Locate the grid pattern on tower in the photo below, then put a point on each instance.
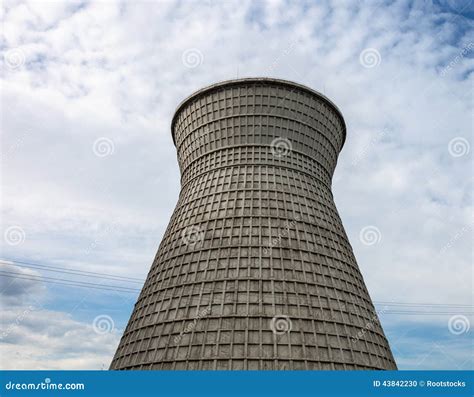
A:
(256, 114)
(254, 155)
(271, 244)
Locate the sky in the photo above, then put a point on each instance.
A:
(89, 174)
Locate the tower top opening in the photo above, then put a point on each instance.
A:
(256, 80)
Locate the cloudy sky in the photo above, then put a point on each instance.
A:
(90, 178)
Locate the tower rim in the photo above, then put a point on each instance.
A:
(270, 80)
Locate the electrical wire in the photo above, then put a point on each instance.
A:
(74, 283)
(67, 270)
(395, 307)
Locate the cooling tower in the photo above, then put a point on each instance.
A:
(255, 270)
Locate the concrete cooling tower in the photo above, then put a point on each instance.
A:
(255, 270)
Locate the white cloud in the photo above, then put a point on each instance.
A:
(115, 70)
(17, 288)
(44, 339)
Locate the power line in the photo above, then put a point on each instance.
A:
(396, 305)
(68, 284)
(55, 280)
(422, 313)
(423, 304)
(69, 271)
(132, 290)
